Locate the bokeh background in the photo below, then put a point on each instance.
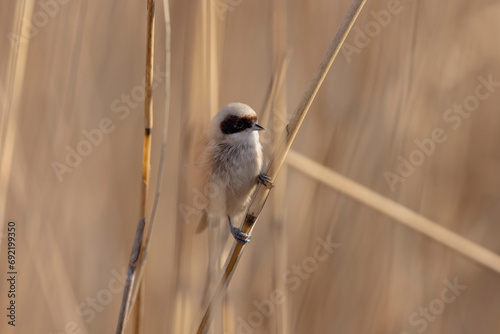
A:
(405, 64)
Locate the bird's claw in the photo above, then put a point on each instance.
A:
(265, 180)
(238, 234)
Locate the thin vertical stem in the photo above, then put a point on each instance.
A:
(129, 282)
(278, 107)
(11, 102)
(146, 156)
(131, 293)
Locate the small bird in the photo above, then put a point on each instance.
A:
(231, 164)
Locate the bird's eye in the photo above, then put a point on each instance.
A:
(239, 124)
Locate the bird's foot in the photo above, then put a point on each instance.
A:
(238, 234)
(265, 180)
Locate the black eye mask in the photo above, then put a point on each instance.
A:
(234, 124)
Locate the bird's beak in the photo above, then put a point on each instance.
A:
(256, 127)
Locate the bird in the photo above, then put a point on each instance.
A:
(230, 165)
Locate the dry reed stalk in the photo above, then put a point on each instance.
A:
(146, 157)
(10, 106)
(395, 210)
(146, 245)
(276, 84)
(262, 192)
(211, 69)
(166, 113)
(131, 296)
(277, 226)
(194, 98)
(131, 275)
(138, 289)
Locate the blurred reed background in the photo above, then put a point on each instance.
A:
(81, 68)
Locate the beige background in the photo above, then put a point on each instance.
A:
(74, 235)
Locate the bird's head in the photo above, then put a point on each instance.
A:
(236, 122)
